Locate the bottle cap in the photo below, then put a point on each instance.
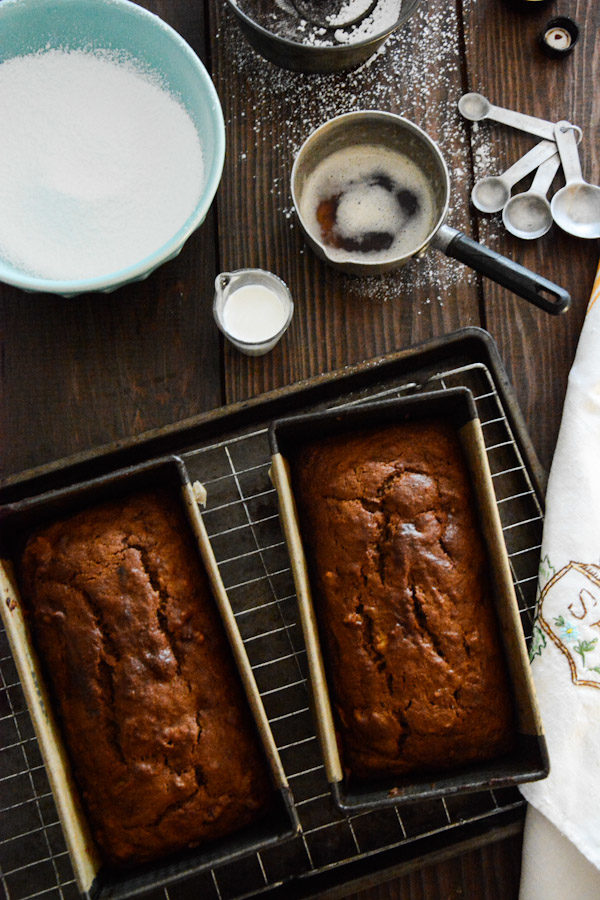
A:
(558, 37)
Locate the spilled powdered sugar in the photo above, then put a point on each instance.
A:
(414, 73)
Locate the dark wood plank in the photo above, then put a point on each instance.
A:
(491, 872)
(269, 112)
(77, 373)
(505, 63)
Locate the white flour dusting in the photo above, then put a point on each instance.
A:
(99, 165)
(348, 11)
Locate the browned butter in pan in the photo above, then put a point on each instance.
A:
(369, 200)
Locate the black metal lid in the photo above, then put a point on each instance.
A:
(558, 37)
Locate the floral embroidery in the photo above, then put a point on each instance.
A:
(538, 642)
(568, 631)
(569, 614)
(538, 636)
(546, 571)
(583, 647)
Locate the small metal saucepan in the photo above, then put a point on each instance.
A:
(393, 135)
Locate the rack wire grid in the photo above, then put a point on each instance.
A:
(243, 524)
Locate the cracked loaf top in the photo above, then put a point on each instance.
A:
(403, 599)
(151, 707)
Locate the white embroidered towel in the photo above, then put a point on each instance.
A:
(565, 649)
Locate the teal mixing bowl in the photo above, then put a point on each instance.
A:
(123, 27)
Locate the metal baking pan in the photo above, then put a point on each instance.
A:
(529, 760)
(94, 879)
(228, 450)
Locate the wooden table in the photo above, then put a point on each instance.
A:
(82, 373)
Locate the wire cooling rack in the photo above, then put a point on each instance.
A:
(243, 524)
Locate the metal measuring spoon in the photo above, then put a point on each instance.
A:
(334, 13)
(476, 107)
(576, 206)
(490, 194)
(528, 215)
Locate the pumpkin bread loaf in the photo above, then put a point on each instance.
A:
(154, 717)
(402, 594)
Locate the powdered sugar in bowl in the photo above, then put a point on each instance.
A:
(111, 148)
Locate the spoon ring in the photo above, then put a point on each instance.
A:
(569, 127)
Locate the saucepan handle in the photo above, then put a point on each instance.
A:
(534, 288)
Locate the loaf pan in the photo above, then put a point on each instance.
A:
(529, 760)
(95, 880)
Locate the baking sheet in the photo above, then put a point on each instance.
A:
(229, 452)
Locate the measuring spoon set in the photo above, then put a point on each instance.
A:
(575, 207)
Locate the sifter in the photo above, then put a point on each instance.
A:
(334, 13)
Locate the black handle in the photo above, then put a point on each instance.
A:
(535, 288)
